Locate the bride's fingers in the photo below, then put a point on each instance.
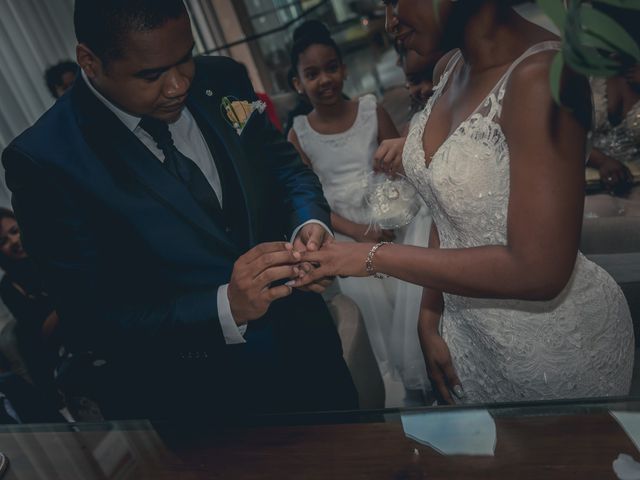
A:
(309, 278)
(453, 381)
(316, 257)
(438, 378)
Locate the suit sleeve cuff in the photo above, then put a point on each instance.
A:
(300, 227)
(233, 334)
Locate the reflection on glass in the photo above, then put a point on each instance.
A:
(465, 432)
(125, 450)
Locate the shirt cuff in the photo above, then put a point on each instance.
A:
(297, 230)
(233, 333)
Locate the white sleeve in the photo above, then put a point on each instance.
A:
(233, 333)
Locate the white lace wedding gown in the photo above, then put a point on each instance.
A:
(580, 344)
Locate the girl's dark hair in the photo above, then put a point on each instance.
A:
(311, 32)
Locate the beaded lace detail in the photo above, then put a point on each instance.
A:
(578, 345)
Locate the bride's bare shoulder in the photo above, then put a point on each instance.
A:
(531, 82)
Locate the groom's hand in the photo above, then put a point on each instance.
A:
(312, 237)
(250, 289)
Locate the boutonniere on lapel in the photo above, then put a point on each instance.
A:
(237, 112)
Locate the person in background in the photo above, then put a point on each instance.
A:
(418, 72)
(22, 402)
(338, 139)
(60, 77)
(37, 322)
(303, 106)
(616, 135)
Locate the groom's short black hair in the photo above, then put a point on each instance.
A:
(102, 25)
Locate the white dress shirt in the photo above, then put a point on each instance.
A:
(188, 139)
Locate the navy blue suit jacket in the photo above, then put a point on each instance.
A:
(129, 256)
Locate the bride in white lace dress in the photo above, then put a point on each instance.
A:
(511, 310)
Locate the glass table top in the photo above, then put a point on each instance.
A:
(567, 439)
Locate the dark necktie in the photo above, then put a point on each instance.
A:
(181, 166)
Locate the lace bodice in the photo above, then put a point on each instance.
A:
(577, 345)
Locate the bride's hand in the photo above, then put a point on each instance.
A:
(346, 259)
(440, 368)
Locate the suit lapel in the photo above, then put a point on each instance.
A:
(208, 108)
(113, 142)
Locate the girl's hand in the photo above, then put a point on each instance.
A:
(440, 367)
(366, 234)
(346, 259)
(388, 157)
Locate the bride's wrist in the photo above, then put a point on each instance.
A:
(372, 264)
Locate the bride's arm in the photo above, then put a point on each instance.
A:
(432, 302)
(437, 357)
(547, 151)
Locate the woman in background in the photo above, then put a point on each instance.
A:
(36, 319)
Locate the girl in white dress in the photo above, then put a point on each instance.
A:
(338, 140)
(511, 310)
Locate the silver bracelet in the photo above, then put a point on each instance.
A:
(369, 262)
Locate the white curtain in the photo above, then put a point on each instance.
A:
(34, 34)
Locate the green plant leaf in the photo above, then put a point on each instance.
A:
(628, 4)
(608, 30)
(555, 10)
(555, 76)
(589, 40)
(575, 59)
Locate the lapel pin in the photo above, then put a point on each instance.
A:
(209, 93)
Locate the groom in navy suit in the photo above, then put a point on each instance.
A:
(158, 202)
